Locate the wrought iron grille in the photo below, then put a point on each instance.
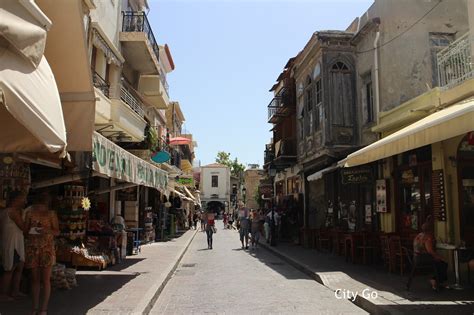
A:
(138, 22)
(454, 62)
(100, 83)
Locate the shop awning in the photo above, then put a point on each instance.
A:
(111, 160)
(447, 123)
(31, 116)
(319, 174)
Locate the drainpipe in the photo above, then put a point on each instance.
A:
(376, 75)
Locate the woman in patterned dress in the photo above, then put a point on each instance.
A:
(41, 226)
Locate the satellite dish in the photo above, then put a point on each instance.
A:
(160, 157)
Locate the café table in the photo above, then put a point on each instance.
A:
(455, 250)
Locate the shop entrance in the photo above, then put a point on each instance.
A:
(414, 197)
(466, 189)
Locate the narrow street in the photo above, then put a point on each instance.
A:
(230, 280)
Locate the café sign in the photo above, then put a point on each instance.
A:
(356, 175)
(111, 160)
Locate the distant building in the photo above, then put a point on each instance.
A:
(252, 179)
(215, 187)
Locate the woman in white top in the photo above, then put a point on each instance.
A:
(13, 244)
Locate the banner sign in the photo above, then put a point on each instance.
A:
(356, 175)
(188, 182)
(111, 160)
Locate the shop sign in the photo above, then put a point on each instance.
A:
(111, 160)
(356, 176)
(381, 195)
(439, 197)
(188, 182)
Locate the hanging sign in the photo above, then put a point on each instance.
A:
(356, 175)
(111, 160)
(381, 195)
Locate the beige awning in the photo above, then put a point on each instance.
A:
(319, 174)
(444, 124)
(31, 116)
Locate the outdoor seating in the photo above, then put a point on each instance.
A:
(385, 251)
(399, 255)
(337, 238)
(367, 246)
(324, 239)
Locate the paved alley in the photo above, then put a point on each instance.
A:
(230, 280)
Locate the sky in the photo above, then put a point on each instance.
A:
(228, 54)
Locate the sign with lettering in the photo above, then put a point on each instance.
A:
(188, 182)
(439, 196)
(356, 175)
(111, 160)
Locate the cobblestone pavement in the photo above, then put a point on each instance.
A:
(229, 280)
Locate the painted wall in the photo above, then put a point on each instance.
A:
(108, 14)
(406, 63)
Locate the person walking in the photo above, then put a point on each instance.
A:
(244, 228)
(41, 226)
(195, 219)
(224, 220)
(231, 221)
(203, 221)
(13, 245)
(255, 227)
(210, 229)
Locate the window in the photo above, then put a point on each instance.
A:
(341, 95)
(367, 98)
(215, 181)
(308, 100)
(319, 101)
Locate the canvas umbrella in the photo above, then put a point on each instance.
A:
(179, 141)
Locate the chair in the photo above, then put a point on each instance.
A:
(385, 248)
(398, 254)
(368, 245)
(324, 240)
(337, 242)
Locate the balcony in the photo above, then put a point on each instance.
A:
(155, 90)
(130, 97)
(285, 153)
(139, 45)
(269, 154)
(280, 106)
(454, 63)
(100, 83)
(121, 119)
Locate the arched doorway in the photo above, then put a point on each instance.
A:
(215, 207)
(465, 166)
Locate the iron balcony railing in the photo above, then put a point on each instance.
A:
(100, 83)
(280, 100)
(269, 154)
(454, 62)
(128, 97)
(138, 22)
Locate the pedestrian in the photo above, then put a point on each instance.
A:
(210, 229)
(41, 226)
(244, 228)
(255, 228)
(195, 219)
(224, 219)
(13, 245)
(231, 221)
(267, 226)
(203, 221)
